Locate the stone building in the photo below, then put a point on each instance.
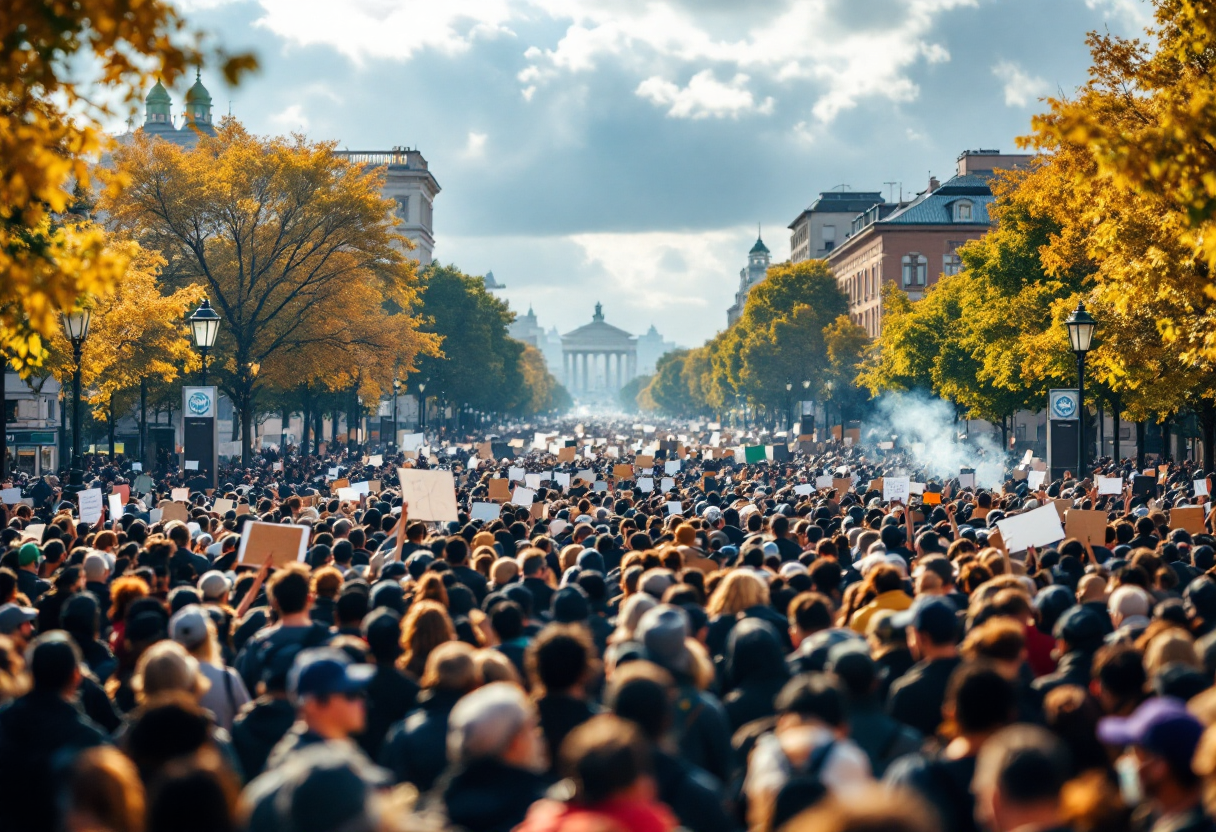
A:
(598, 358)
(826, 221)
(412, 187)
(758, 261)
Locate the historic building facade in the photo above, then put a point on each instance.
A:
(598, 358)
(758, 261)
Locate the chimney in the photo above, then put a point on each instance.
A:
(933, 183)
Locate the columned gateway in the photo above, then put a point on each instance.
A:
(598, 359)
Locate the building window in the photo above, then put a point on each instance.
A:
(914, 268)
(403, 208)
(951, 264)
(962, 211)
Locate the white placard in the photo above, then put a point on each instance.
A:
(587, 476)
(376, 460)
(599, 486)
(562, 480)
(33, 532)
(896, 489)
(556, 527)
(916, 488)
(966, 481)
(412, 441)
(824, 481)
(674, 507)
(364, 487)
(515, 474)
(89, 501)
(671, 466)
(806, 488)
(331, 474)
(223, 506)
(351, 495)
(115, 503)
(1034, 479)
(10, 496)
(137, 466)
(532, 481)
(1106, 485)
(154, 515)
(484, 511)
(667, 484)
(191, 465)
(431, 494)
(523, 496)
(1201, 488)
(278, 466)
(646, 484)
(180, 495)
(1040, 527)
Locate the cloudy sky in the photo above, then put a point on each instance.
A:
(625, 151)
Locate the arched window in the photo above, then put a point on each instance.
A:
(915, 266)
(962, 211)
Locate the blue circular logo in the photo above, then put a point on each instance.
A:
(1065, 406)
(199, 403)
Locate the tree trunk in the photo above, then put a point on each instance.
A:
(1165, 440)
(333, 430)
(1005, 433)
(247, 428)
(286, 415)
(352, 420)
(1101, 428)
(110, 425)
(1114, 437)
(305, 420)
(143, 422)
(1140, 434)
(1207, 429)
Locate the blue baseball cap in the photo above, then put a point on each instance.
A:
(929, 614)
(324, 671)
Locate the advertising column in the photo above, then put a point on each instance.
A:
(200, 439)
(1063, 411)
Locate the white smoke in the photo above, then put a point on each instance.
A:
(929, 437)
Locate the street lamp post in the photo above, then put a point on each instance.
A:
(422, 406)
(806, 392)
(392, 440)
(789, 385)
(1081, 326)
(827, 420)
(76, 325)
(204, 327)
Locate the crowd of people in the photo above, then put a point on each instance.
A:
(707, 643)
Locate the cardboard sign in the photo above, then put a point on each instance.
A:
(90, 503)
(523, 496)
(622, 472)
(243, 508)
(1062, 506)
(876, 485)
(180, 495)
(260, 541)
(431, 494)
(841, 484)
(1040, 527)
(996, 541)
(1086, 525)
(1109, 485)
(1189, 518)
(485, 511)
(642, 462)
(500, 489)
(567, 454)
(339, 484)
(174, 511)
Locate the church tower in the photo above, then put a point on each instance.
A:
(198, 104)
(157, 107)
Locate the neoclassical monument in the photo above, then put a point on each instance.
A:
(598, 357)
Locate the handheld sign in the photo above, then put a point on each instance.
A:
(431, 495)
(90, 505)
(260, 541)
(1039, 527)
(1110, 485)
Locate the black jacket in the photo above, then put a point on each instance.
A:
(883, 738)
(490, 796)
(542, 596)
(559, 715)
(916, 697)
(390, 696)
(693, 795)
(474, 580)
(945, 784)
(257, 729)
(755, 672)
(415, 750)
(40, 736)
(1073, 669)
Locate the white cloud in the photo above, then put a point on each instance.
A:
(291, 118)
(1021, 88)
(475, 148)
(1133, 12)
(398, 29)
(705, 96)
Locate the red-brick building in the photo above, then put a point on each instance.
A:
(914, 243)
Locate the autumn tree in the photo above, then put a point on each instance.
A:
(295, 247)
(59, 61)
(845, 344)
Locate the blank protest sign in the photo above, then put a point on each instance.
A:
(431, 495)
(260, 541)
(1039, 527)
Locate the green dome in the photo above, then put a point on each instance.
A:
(759, 247)
(198, 93)
(158, 94)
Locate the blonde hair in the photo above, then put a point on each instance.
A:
(166, 666)
(740, 589)
(450, 666)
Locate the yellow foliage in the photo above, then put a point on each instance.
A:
(48, 137)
